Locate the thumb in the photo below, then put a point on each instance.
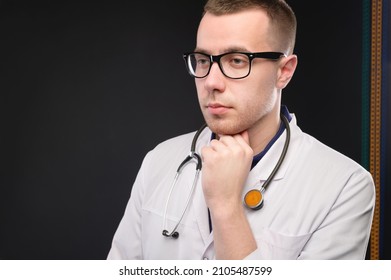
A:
(245, 136)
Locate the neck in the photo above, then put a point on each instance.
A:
(261, 134)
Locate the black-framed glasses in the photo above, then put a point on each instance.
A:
(234, 65)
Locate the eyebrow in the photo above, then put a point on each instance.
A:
(226, 50)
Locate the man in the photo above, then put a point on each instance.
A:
(318, 203)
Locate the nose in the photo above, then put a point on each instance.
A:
(215, 81)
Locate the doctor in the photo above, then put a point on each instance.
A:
(318, 205)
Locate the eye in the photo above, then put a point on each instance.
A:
(202, 61)
(236, 60)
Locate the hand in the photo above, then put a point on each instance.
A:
(226, 165)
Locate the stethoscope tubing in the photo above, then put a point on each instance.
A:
(193, 155)
(257, 203)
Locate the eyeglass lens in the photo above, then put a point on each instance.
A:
(233, 65)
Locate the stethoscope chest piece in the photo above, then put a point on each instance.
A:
(254, 199)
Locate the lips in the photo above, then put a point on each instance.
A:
(217, 108)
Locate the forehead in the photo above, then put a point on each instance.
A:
(248, 30)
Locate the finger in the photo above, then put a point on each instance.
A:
(237, 146)
(241, 140)
(217, 145)
(246, 136)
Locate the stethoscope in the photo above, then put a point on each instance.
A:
(253, 198)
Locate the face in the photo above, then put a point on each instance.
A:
(231, 106)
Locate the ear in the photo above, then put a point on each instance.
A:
(287, 69)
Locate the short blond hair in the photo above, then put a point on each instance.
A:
(279, 12)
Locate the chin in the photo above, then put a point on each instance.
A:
(224, 129)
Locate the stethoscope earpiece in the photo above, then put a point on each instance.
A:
(193, 156)
(174, 235)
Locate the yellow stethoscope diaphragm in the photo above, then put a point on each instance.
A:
(254, 199)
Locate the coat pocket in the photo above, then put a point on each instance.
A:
(276, 246)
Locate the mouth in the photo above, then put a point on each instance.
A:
(217, 108)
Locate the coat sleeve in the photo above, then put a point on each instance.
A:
(127, 243)
(345, 231)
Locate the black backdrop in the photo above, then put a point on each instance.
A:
(88, 89)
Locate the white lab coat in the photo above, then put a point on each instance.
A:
(319, 205)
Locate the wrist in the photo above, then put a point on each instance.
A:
(227, 212)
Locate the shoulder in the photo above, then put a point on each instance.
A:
(322, 172)
(174, 145)
(312, 157)
(308, 149)
(163, 161)
(182, 144)
(326, 155)
(173, 151)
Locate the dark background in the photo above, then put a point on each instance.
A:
(87, 89)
